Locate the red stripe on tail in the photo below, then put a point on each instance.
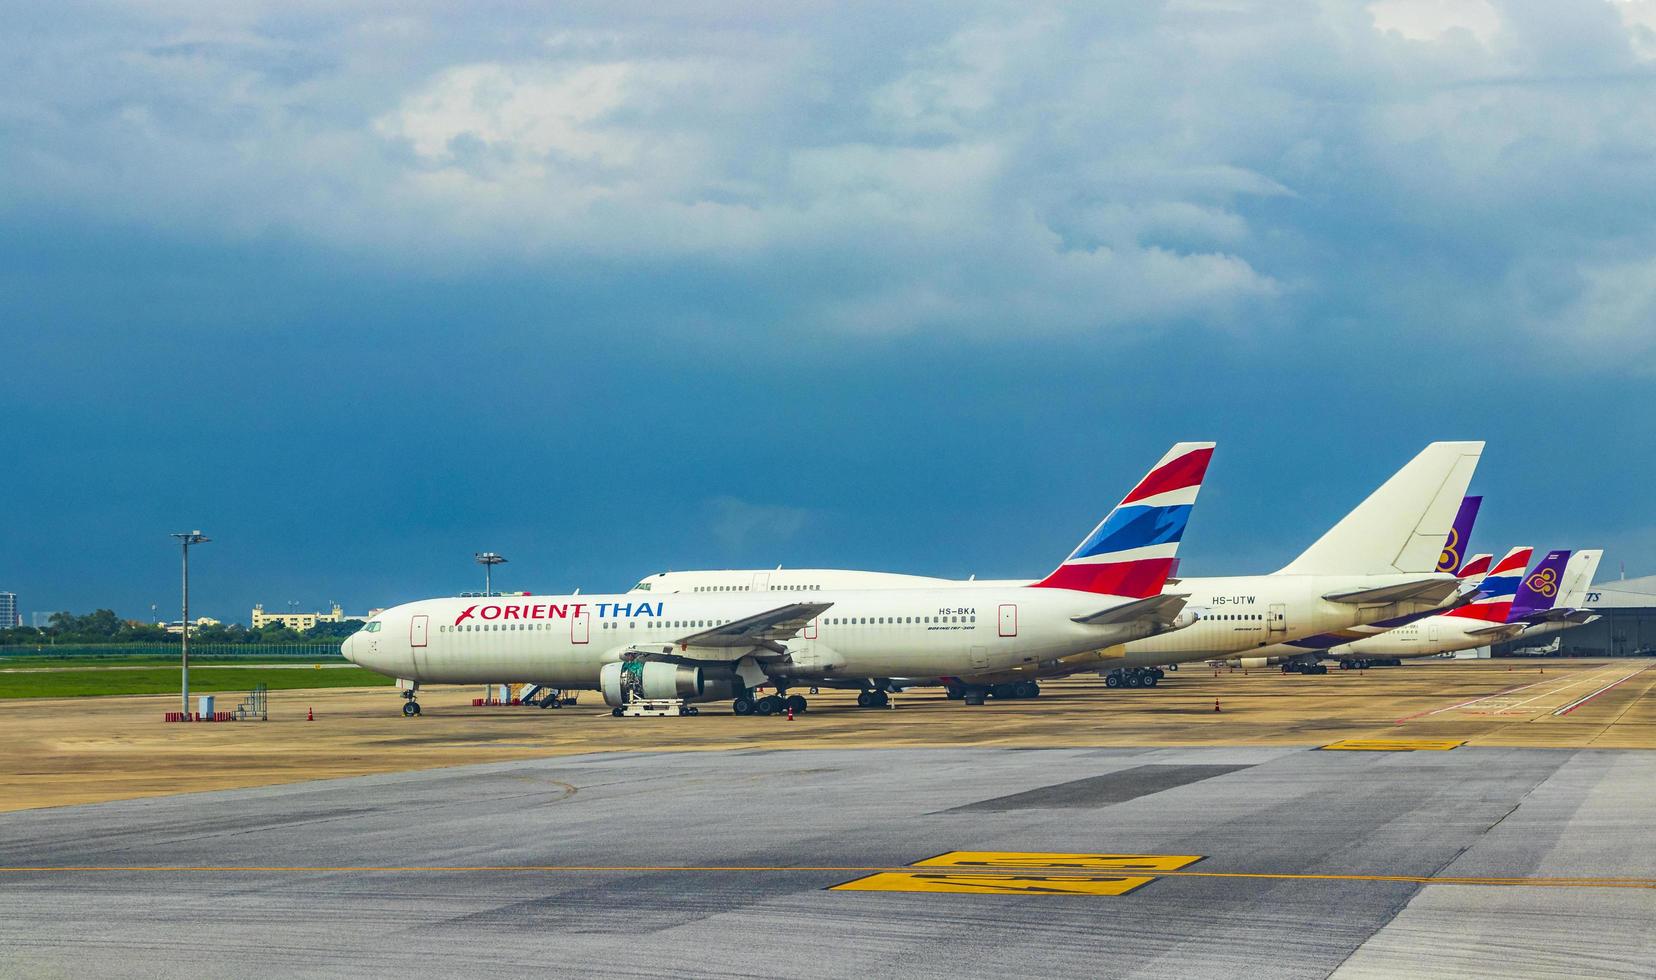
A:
(1186, 471)
(1134, 579)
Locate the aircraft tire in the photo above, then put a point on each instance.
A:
(865, 699)
(615, 712)
(1112, 680)
(1151, 680)
(797, 704)
(742, 706)
(1133, 680)
(411, 708)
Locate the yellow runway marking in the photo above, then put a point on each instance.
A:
(1396, 744)
(995, 884)
(1064, 861)
(1554, 882)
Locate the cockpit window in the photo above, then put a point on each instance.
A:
(641, 587)
(373, 627)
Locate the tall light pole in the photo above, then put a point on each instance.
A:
(185, 539)
(488, 560)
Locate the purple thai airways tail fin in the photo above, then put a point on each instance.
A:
(1541, 586)
(1460, 533)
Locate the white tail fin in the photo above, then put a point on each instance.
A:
(1578, 577)
(1401, 526)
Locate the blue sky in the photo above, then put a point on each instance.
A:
(617, 288)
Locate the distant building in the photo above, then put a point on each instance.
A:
(297, 621)
(8, 611)
(176, 627)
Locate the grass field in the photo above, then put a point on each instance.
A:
(164, 680)
(153, 660)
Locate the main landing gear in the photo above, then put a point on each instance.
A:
(873, 699)
(770, 704)
(411, 707)
(1374, 662)
(1134, 677)
(1014, 691)
(1298, 668)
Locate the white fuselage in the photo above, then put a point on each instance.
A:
(566, 640)
(1422, 638)
(1240, 614)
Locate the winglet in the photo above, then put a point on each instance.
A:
(1132, 551)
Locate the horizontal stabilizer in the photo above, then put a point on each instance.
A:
(1496, 632)
(1434, 589)
(767, 629)
(1163, 610)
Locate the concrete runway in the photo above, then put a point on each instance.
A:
(719, 864)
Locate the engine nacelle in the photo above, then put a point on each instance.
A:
(649, 679)
(1255, 663)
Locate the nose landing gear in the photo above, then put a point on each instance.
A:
(411, 707)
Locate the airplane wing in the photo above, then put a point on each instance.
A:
(1434, 589)
(767, 629)
(1575, 617)
(1163, 610)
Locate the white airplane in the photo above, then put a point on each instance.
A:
(1379, 562)
(706, 646)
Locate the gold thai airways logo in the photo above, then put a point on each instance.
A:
(1544, 582)
(1450, 559)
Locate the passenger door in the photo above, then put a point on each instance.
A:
(580, 628)
(761, 583)
(1009, 619)
(1277, 617)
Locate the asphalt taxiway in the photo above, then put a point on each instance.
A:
(1269, 861)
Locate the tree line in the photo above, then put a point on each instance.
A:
(103, 626)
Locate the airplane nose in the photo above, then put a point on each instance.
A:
(345, 648)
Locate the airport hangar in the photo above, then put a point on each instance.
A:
(1626, 626)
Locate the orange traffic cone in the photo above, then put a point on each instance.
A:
(1215, 704)
(790, 713)
(310, 714)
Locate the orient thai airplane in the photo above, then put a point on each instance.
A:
(704, 646)
(1379, 562)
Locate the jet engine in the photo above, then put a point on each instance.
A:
(651, 680)
(1254, 663)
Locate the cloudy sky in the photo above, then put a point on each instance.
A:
(360, 289)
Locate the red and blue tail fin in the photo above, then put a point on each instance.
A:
(1476, 568)
(1494, 599)
(1132, 551)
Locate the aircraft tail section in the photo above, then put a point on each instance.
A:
(1541, 587)
(1493, 603)
(1460, 532)
(1476, 568)
(1402, 526)
(1578, 576)
(1132, 551)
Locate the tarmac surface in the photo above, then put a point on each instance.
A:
(1263, 860)
(1477, 818)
